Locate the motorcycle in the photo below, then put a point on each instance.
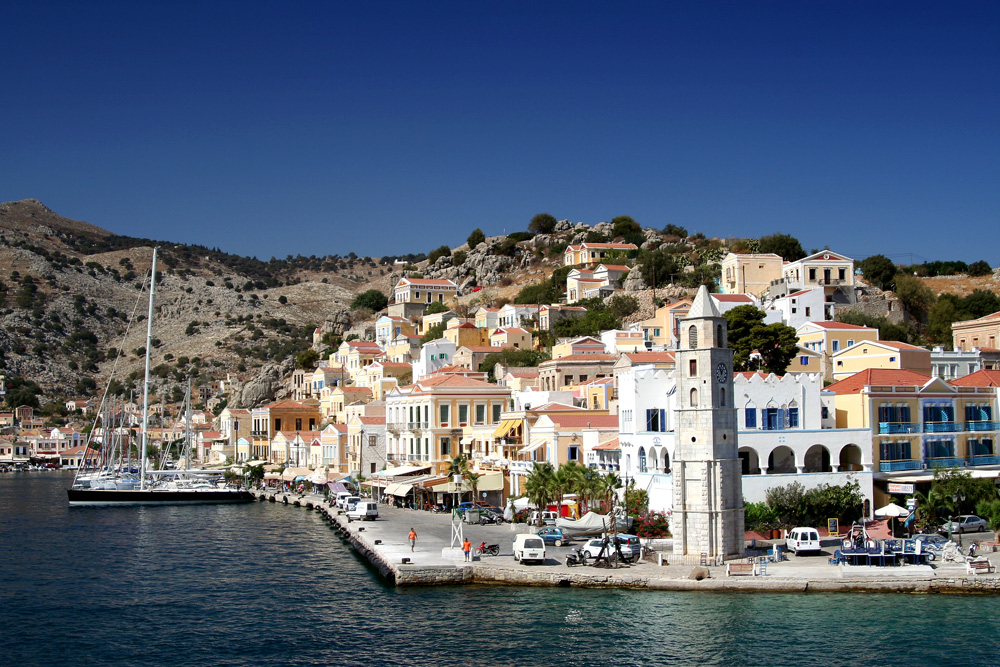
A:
(576, 557)
(488, 550)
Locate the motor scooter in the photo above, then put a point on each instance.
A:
(576, 557)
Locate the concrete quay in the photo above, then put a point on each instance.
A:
(385, 545)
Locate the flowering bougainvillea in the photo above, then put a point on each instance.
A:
(652, 524)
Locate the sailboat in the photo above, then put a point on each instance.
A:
(114, 484)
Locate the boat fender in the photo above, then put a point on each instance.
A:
(870, 544)
(285, 500)
(847, 545)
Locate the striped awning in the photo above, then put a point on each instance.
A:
(506, 426)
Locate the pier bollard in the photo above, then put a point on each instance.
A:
(378, 541)
(406, 561)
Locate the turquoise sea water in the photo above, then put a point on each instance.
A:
(266, 584)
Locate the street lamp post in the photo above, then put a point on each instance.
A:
(955, 498)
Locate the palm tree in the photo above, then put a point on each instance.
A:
(610, 483)
(589, 486)
(538, 486)
(457, 466)
(565, 480)
(474, 483)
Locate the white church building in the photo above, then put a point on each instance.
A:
(785, 433)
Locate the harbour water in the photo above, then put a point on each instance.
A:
(266, 584)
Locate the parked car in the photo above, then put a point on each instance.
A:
(364, 510)
(350, 502)
(529, 547)
(552, 535)
(966, 523)
(931, 544)
(802, 539)
(592, 547)
(548, 518)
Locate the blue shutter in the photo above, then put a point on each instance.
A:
(750, 417)
(663, 420)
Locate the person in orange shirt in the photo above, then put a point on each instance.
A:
(413, 538)
(467, 547)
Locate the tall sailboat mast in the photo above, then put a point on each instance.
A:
(145, 384)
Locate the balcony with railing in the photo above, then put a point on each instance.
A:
(890, 428)
(983, 460)
(941, 427)
(982, 426)
(945, 462)
(904, 464)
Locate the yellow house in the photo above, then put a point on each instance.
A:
(662, 329)
(578, 282)
(388, 327)
(982, 333)
(333, 440)
(592, 253)
(919, 424)
(558, 438)
(750, 273)
(354, 355)
(828, 338)
(806, 361)
(340, 397)
(437, 418)
(423, 290)
(583, 345)
(824, 268)
(880, 354)
(487, 318)
(515, 337)
(428, 322)
(384, 375)
(466, 333)
(269, 419)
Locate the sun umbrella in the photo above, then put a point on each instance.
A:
(891, 510)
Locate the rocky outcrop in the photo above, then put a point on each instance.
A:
(264, 386)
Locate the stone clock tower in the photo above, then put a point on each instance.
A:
(708, 490)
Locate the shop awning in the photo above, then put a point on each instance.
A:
(398, 490)
(535, 444)
(401, 470)
(489, 482)
(467, 441)
(506, 426)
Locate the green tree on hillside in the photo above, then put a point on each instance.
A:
(879, 270)
(776, 343)
(784, 245)
(372, 299)
(659, 267)
(475, 238)
(886, 330)
(542, 223)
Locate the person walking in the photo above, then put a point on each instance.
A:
(413, 538)
(467, 547)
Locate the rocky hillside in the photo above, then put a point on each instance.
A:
(70, 289)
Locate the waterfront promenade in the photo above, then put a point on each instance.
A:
(384, 543)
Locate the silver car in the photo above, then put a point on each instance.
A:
(966, 523)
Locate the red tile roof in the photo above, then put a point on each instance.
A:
(426, 282)
(982, 378)
(610, 445)
(878, 376)
(585, 421)
(650, 357)
(581, 357)
(838, 325)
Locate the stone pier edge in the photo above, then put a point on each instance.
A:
(398, 574)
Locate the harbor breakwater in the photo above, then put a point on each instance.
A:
(400, 568)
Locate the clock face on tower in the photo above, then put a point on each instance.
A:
(721, 373)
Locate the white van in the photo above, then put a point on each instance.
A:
(802, 539)
(340, 497)
(529, 547)
(365, 510)
(548, 518)
(347, 503)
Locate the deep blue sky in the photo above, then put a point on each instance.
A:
(270, 129)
